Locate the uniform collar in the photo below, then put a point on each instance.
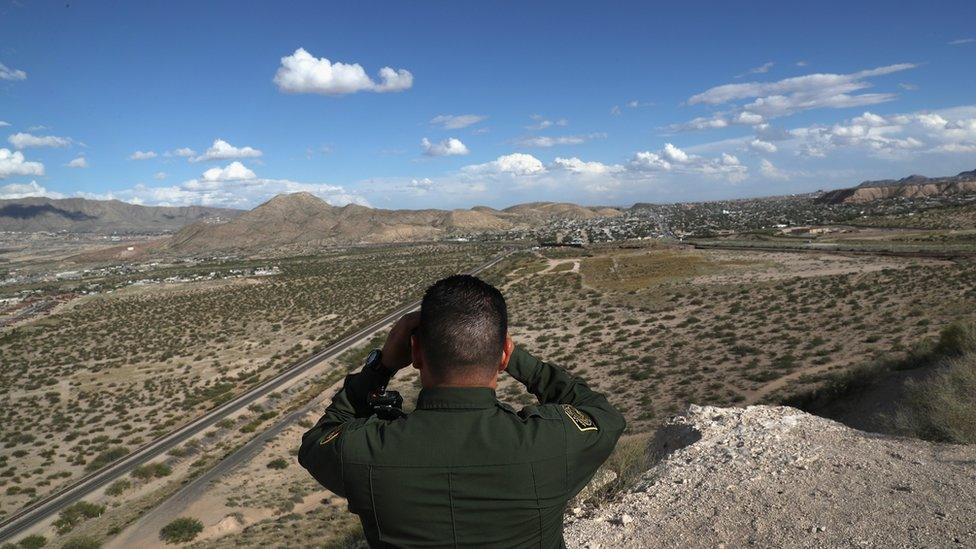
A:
(456, 398)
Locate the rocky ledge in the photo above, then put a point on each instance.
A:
(778, 477)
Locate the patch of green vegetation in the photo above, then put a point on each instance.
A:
(942, 407)
(279, 463)
(82, 542)
(150, 471)
(181, 530)
(118, 487)
(954, 340)
(106, 457)
(75, 514)
(34, 541)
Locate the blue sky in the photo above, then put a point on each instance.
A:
(229, 103)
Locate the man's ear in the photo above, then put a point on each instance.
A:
(507, 351)
(416, 352)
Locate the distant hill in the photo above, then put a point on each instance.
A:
(304, 219)
(82, 215)
(913, 186)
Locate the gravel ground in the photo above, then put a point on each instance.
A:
(778, 477)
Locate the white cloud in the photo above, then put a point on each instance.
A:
(4, 124)
(142, 155)
(902, 136)
(894, 136)
(301, 72)
(542, 123)
(420, 186)
(674, 154)
(575, 165)
(24, 190)
(513, 164)
(222, 150)
(234, 186)
(13, 163)
(183, 152)
(762, 146)
(552, 141)
(702, 123)
(788, 96)
(761, 69)
(8, 73)
(78, 162)
(448, 147)
(457, 121)
(769, 171)
(672, 159)
(748, 118)
(632, 104)
(159, 176)
(962, 41)
(25, 140)
(797, 84)
(235, 171)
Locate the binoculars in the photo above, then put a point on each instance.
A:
(386, 404)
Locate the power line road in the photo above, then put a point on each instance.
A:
(52, 504)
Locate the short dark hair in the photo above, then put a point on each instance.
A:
(463, 324)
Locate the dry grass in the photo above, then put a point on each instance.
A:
(631, 271)
(628, 461)
(942, 407)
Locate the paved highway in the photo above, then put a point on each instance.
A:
(54, 503)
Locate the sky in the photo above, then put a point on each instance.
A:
(457, 104)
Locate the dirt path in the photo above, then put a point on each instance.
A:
(758, 394)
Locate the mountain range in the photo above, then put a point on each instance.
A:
(913, 186)
(81, 215)
(304, 219)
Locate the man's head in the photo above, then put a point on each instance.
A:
(463, 334)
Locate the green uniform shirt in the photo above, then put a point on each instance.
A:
(464, 470)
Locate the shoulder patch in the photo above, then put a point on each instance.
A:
(330, 437)
(582, 421)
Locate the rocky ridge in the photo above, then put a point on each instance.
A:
(913, 186)
(778, 477)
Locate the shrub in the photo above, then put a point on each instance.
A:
(181, 530)
(82, 542)
(106, 457)
(118, 487)
(75, 514)
(629, 461)
(956, 339)
(151, 470)
(32, 542)
(942, 407)
(279, 463)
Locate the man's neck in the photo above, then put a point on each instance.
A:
(462, 384)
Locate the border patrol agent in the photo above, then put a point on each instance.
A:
(463, 469)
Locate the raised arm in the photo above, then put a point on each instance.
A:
(592, 424)
(321, 450)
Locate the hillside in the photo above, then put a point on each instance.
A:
(304, 219)
(777, 477)
(913, 186)
(81, 215)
